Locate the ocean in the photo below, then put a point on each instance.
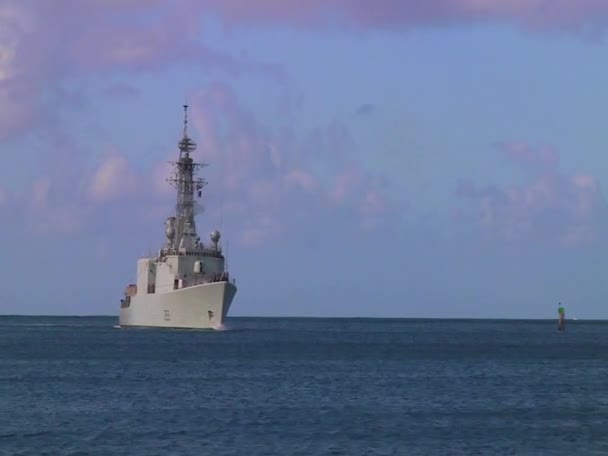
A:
(291, 386)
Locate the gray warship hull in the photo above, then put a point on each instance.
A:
(202, 306)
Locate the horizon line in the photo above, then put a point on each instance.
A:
(324, 317)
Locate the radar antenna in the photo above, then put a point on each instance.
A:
(184, 180)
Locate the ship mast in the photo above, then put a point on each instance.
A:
(186, 184)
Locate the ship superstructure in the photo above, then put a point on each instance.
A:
(187, 284)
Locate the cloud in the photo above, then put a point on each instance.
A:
(277, 184)
(264, 182)
(567, 15)
(12, 23)
(69, 197)
(551, 209)
(43, 211)
(40, 191)
(302, 180)
(44, 44)
(113, 179)
(544, 160)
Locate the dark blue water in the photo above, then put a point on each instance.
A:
(79, 386)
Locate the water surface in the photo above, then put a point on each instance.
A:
(79, 386)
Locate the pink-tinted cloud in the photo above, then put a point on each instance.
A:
(543, 160)
(264, 183)
(68, 197)
(44, 211)
(570, 15)
(113, 179)
(42, 44)
(551, 209)
(276, 180)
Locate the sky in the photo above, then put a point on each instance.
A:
(367, 158)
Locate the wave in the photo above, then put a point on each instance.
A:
(50, 325)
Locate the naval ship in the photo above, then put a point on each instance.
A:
(187, 284)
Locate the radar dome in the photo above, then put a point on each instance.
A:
(170, 227)
(215, 236)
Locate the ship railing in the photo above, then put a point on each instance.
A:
(204, 252)
(213, 278)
